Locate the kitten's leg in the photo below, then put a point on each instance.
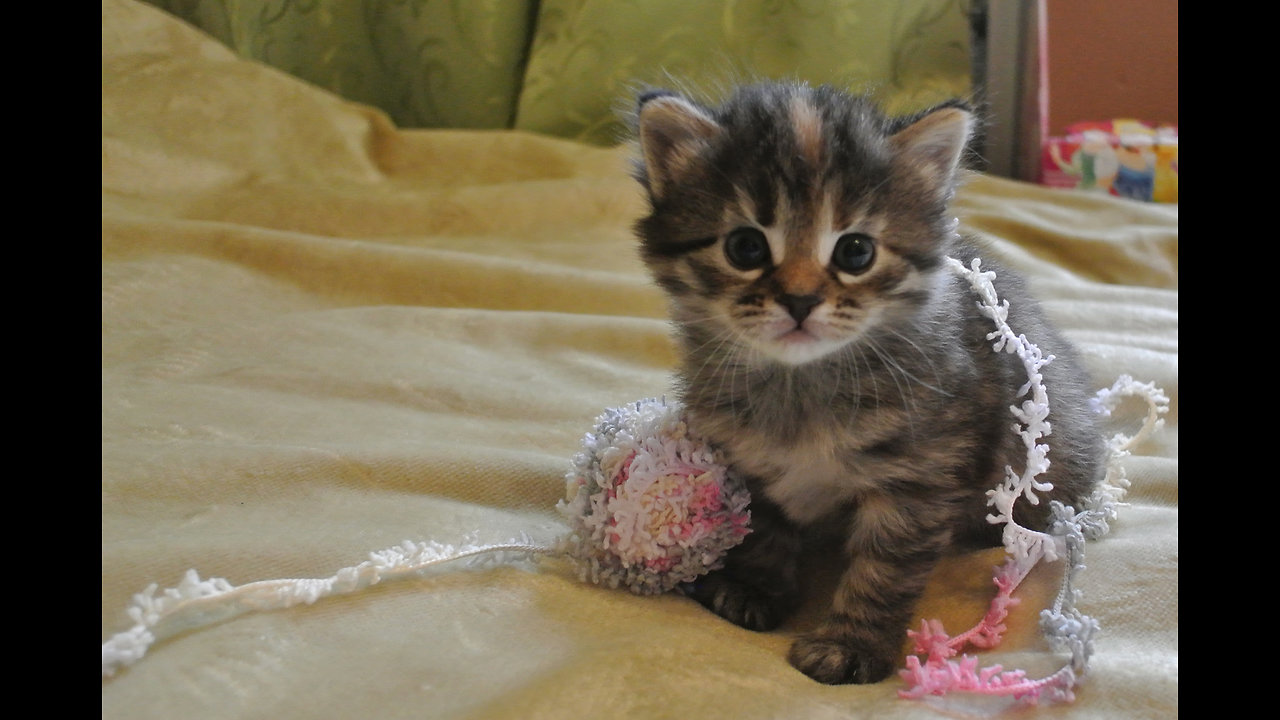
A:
(757, 588)
(894, 547)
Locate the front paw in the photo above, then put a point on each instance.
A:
(740, 603)
(837, 661)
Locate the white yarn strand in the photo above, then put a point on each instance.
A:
(1066, 628)
(1027, 545)
(198, 603)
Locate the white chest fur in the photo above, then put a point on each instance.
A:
(806, 480)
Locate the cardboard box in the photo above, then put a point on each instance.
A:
(1122, 157)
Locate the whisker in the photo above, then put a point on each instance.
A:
(927, 359)
(908, 398)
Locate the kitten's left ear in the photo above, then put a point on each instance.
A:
(931, 147)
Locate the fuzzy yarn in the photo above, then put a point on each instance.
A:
(1067, 630)
(649, 504)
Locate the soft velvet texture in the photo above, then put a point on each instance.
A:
(426, 63)
(560, 66)
(322, 335)
(586, 53)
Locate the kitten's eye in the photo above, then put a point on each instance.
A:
(853, 253)
(747, 248)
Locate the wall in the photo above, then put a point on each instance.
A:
(1112, 58)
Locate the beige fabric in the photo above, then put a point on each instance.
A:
(322, 336)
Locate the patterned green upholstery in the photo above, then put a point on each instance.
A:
(565, 67)
(586, 53)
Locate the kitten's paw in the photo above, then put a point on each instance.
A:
(740, 603)
(834, 661)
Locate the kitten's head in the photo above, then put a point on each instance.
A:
(792, 220)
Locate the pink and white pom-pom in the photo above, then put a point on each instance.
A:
(650, 505)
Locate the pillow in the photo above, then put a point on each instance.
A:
(426, 64)
(587, 56)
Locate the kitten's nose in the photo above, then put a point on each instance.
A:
(799, 306)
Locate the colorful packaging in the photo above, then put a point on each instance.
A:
(1122, 157)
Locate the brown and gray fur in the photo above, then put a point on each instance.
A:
(860, 399)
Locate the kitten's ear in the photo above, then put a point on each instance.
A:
(673, 132)
(931, 147)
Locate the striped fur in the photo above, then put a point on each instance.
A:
(859, 400)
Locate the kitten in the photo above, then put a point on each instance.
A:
(800, 235)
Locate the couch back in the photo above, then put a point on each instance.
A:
(566, 67)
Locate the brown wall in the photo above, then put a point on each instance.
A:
(1110, 59)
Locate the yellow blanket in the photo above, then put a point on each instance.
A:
(322, 336)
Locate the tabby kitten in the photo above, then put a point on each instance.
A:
(800, 235)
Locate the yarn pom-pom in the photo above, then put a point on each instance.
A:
(650, 505)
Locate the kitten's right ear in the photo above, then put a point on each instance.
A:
(673, 132)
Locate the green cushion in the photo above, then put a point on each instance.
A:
(426, 63)
(588, 55)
